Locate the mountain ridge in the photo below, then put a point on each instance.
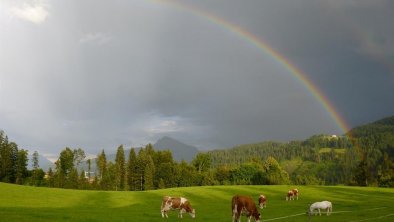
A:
(179, 150)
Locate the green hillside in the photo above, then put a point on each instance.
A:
(24, 203)
(380, 128)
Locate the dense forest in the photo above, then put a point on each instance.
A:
(364, 156)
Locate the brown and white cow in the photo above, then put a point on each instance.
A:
(290, 195)
(295, 192)
(176, 203)
(244, 204)
(262, 201)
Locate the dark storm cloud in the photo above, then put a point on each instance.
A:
(96, 74)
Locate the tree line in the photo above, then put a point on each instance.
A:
(142, 169)
(363, 157)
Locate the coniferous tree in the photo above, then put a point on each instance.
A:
(386, 173)
(35, 172)
(21, 166)
(51, 178)
(59, 178)
(8, 159)
(83, 182)
(64, 165)
(139, 170)
(131, 170)
(89, 162)
(108, 182)
(3, 154)
(66, 161)
(360, 175)
(120, 171)
(72, 180)
(149, 173)
(101, 163)
(164, 165)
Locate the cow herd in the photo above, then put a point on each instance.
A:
(240, 205)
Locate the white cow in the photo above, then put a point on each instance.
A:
(324, 205)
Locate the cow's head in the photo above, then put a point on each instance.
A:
(309, 213)
(168, 204)
(257, 216)
(193, 213)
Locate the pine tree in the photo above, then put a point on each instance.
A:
(89, 161)
(131, 168)
(3, 156)
(139, 170)
(72, 180)
(83, 183)
(50, 178)
(21, 166)
(101, 162)
(8, 160)
(120, 170)
(34, 176)
(102, 167)
(149, 174)
(66, 161)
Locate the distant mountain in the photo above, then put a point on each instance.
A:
(43, 163)
(179, 150)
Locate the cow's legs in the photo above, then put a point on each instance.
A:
(319, 211)
(235, 217)
(181, 211)
(234, 213)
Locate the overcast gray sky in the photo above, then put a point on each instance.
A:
(96, 74)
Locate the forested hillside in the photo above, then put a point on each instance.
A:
(321, 159)
(374, 144)
(364, 157)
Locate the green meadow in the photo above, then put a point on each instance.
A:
(24, 203)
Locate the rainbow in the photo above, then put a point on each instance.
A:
(259, 43)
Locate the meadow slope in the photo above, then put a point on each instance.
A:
(23, 203)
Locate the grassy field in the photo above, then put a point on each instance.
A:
(22, 203)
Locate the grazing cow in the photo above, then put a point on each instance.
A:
(176, 203)
(262, 201)
(290, 195)
(295, 192)
(244, 205)
(320, 205)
